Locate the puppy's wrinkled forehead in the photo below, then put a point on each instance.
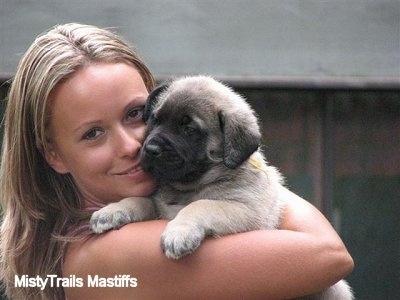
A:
(190, 95)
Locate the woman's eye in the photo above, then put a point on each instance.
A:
(135, 114)
(93, 134)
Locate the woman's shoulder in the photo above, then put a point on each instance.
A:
(118, 258)
(122, 245)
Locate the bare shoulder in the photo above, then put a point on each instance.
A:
(114, 245)
(117, 263)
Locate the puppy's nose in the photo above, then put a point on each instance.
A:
(153, 149)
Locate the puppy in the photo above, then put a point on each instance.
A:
(202, 146)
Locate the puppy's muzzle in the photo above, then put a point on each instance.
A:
(159, 157)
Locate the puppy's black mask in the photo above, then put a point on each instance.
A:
(175, 145)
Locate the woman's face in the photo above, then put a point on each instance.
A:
(96, 131)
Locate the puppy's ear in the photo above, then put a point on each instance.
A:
(152, 100)
(241, 139)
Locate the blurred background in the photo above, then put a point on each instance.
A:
(323, 76)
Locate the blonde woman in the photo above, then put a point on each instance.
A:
(72, 133)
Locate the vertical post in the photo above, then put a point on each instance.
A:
(328, 144)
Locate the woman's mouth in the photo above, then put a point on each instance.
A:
(130, 171)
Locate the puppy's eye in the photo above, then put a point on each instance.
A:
(187, 125)
(185, 120)
(154, 121)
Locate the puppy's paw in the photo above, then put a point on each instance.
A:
(112, 216)
(179, 240)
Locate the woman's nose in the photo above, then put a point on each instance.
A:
(129, 141)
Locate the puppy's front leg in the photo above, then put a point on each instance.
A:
(128, 210)
(204, 218)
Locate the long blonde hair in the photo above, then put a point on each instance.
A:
(37, 203)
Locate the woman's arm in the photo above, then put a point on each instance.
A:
(333, 257)
(304, 257)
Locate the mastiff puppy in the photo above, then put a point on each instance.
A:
(202, 146)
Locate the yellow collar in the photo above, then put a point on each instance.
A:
(256, 163)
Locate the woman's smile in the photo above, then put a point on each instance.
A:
(132, 172)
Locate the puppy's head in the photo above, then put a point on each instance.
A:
(195, 124)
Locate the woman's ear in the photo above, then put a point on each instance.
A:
(54, 160)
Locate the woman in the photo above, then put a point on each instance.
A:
(73, 131)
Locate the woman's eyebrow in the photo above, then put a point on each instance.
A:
(136, 102)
